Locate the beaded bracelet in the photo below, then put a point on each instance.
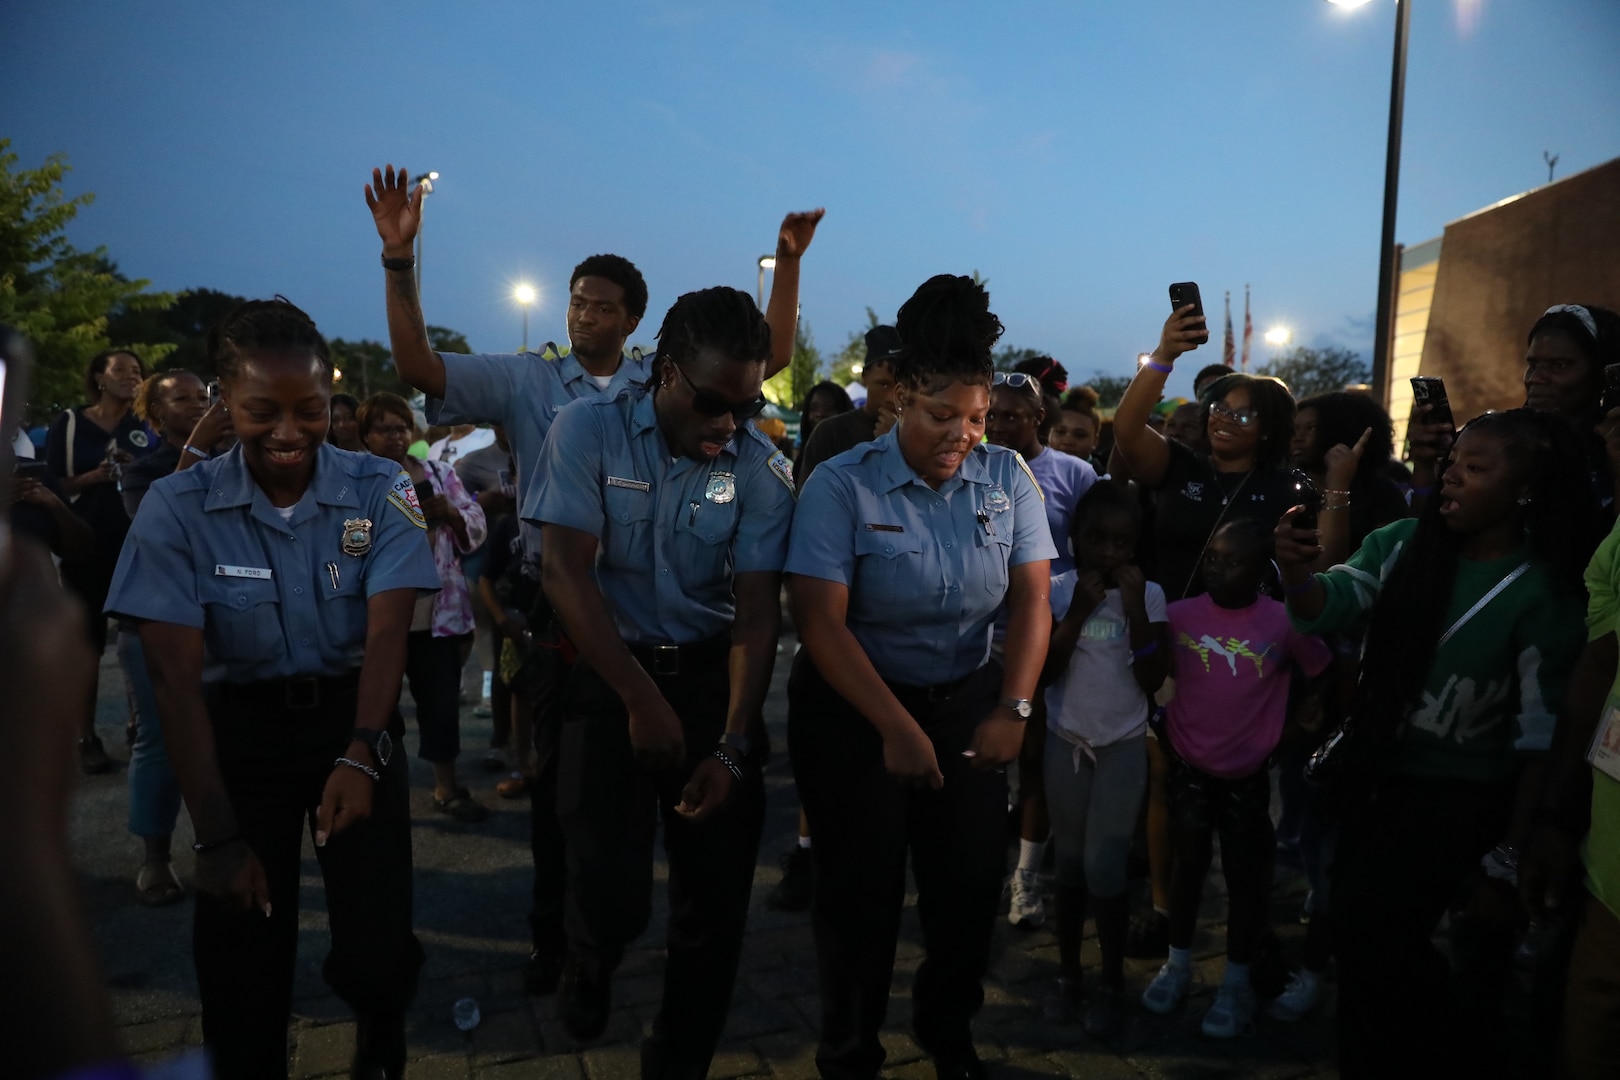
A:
(353, 764)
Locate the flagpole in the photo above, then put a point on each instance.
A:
(1227, 350)
(1248, 328)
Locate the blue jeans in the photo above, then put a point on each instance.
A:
(154, 796)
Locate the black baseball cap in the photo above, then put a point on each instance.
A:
(882, 345)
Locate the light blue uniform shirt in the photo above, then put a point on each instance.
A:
(926, 570)
(669, 537)
(207, 550)
(522, 392)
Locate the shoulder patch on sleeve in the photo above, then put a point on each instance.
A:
(403, 495)
(1022, 464)
(783, 468)
(552, 352)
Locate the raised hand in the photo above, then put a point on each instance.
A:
(798, 229)
(1341, 462)
(1428, 443)
(396, 208)
(1183, 332)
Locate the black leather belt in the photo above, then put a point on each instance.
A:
(670, 660)
(938, 692)
(301, 692)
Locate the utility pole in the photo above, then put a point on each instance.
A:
(1552, 161)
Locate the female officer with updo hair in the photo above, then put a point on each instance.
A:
(274, 586)
(899, 723)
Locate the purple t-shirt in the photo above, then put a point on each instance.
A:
(1063, 479)
(1231, 668)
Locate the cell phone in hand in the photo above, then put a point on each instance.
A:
(29, 469)
(1430, 390)
(1611, 388)
(1183, 293)
(1306, 495)
(213, 392)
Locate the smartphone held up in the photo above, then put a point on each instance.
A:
(1183, 293)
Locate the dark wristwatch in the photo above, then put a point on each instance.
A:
(380, 743)
(1021, 706)
(740, 743)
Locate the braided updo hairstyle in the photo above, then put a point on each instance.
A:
(946, 332)
(275, 325)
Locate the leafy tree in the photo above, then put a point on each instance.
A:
(1010, 356)
(853, 354)
(1110, 388)
(368, 368)
(184, 325)
(1317, 371)
(789, 387)
(443, 339)
(58, 296)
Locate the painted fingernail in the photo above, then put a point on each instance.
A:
(320, 839)
(970, 753)
(267, 909)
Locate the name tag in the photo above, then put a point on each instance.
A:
(873, 527)
(631, 485)
(222, 570)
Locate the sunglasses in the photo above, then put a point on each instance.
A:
(714, 405)
(1240, 417)
(1017, 380)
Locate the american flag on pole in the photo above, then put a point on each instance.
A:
(1227, 350)
(1248, 329)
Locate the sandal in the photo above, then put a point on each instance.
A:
(159, 889)
(515, 786)
(461, 806)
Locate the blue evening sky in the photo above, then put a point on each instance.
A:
(1080, 156)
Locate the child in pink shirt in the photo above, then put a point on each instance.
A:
(1233, 651)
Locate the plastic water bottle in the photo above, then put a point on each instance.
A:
(466, 1014)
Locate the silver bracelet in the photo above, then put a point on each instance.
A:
(725, 759)
(353, 764)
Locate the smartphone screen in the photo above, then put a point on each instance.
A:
(1183, 293)
(1430, 390)
(1306, 495)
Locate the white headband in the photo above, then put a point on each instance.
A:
(1579, 312)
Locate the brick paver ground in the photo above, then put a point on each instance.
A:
(472, 887)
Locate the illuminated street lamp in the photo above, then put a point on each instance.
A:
(766, 262)
(425, 182)
(525, 295)
(1279, 335)
(1392, 179)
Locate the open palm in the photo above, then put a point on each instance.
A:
(396, 207)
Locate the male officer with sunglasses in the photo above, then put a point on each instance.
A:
(665, 519)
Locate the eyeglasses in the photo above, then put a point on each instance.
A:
(389, 431)
(1017, 380)
(714, 405)
(1240, 417)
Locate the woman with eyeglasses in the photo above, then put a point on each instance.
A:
(1248, 424)
(899, 721)
(1017, 413)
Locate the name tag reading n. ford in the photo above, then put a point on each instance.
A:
(628, 485)
(221, 570)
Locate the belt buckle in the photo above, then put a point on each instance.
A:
(666, 659)
(303, 693)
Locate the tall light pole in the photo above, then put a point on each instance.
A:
(766, 262)
(425, 182)
(524, 294)
(1392, 182)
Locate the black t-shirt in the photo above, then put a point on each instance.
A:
(100, 505)
(1190, 502)
(832, 437)
(146, 471)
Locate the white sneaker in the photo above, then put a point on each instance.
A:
(1025, 909)
(1231, 1015)
(1167, 989)
(1303, 993)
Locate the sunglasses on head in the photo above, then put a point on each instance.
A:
(714, 405)
(1017, 380)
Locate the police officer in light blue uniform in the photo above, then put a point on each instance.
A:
(274, 588)
(899, 722)
(665, 517)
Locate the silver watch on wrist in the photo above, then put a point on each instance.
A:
(1019, 705)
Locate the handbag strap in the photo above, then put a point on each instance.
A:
(1226, 506)
(1479, 605)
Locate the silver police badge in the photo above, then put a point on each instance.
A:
(722, 487)
(996, 500)
(356, 536)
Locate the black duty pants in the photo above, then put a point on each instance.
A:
(546, 839)
(275, 762)
(609, 809)
(864, 822)
(1403, 859)
(433, 673)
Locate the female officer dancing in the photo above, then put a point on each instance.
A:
(274, 586)
(899, 725)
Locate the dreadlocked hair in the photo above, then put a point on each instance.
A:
(946, 331)
(274, 325)
(1560, 524)
(722, 318)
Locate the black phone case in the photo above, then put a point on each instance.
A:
(1183, 293)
